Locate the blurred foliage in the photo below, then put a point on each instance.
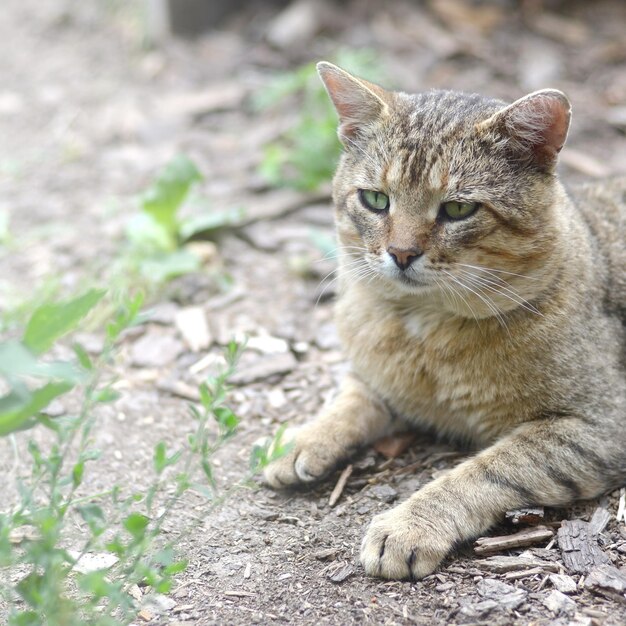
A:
(306, 155)
(158, 234)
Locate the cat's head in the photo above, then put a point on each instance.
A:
(447, 192)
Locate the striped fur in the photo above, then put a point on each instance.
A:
(507, 334)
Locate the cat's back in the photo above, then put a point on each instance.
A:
(603, 207)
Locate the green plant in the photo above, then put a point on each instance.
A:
(52, 587)
(306, 155)
(158, 234)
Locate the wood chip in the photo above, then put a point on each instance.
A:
(339, 487)
(607, 580)
(394, 446)
(327, 554)
(525, 573)
(531, 516)
(341, 574)
(579, 547)
(621, 508)
(503, 564)
(563, 583)
(558, 602)
(599, 520)
(526, 537)
(239, 593)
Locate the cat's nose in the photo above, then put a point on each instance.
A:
(403, 257)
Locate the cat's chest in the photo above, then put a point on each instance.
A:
(428, 366)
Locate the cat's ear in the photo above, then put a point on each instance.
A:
(358, 102)
(536, 125)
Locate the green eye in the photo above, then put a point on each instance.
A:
(374, 200)
(458, 210)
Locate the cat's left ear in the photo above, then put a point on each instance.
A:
(536, 126)
(358, 102)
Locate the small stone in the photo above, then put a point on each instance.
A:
(266, 344)
(478, 609)
(155, 350)
(92, 562)
(558, 602)
(145, 615)
(297, 24)
(193, 327)
(563, 583)
(274, 365)
(276, 398)
(326, 337)
(386, 493)
(159, 603)
(502, 593)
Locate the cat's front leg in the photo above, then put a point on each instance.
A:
(547, 463)
(355, 418)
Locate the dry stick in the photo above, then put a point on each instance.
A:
(339, 487)
(528, 537)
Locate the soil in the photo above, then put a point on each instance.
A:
(88, 114)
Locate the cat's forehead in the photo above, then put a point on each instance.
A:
(438, 113)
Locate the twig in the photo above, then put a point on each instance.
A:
(339, 487)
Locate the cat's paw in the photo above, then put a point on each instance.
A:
(310, 457)
(404, 543)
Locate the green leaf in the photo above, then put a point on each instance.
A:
(94, 517)
(25, 618)
(77, 473)
(205, 396)
(163, 199)
(148, 236)
(105, 395)
(32, 589)
(161, 268)
(83, 357)
(226, 418)
(18, 417)
(17, 361)
(49, 322)
(136, 524)
(209, 222)
(161, 460)
(175, 568)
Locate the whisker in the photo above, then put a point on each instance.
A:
(488, 301)
(500, 289)
(490, 270)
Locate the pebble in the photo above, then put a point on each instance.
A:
(155, 350)
(563, 583)
(558, 602)
(502, 593)
(386, 493)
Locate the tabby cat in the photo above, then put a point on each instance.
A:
(477, 299)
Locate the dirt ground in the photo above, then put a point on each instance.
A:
(88, 114)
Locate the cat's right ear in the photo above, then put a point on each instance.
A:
(358, 102)
(536, 126)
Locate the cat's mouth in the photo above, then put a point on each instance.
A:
(410, 280)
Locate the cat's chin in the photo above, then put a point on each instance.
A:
(406, 285)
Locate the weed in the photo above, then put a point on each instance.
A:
(305, 156)
(158, 234)
(43, 580)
